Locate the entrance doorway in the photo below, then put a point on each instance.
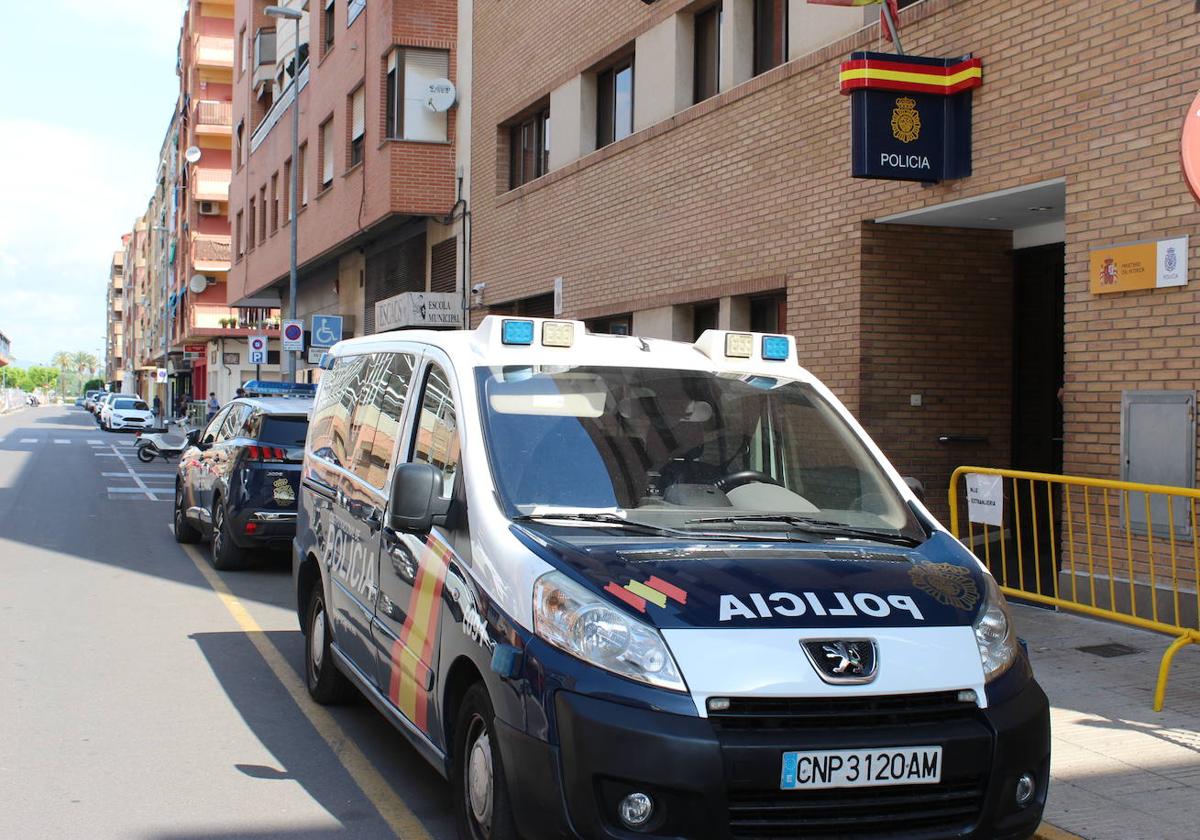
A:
(1037, 411)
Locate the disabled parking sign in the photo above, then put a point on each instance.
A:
(326, 330)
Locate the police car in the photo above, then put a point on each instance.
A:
(622, 587)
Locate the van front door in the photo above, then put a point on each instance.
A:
(412, 567)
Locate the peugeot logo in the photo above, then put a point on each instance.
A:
(843, 661)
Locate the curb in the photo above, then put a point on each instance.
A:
(1046, 831)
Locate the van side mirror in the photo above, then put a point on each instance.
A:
(915, 485)
(416, 502)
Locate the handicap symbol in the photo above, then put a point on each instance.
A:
(325, 335)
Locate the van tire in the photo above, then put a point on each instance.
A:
(185, 532)
(326, 684)
(478, 783)
(226, 556)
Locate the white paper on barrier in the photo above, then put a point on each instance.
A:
(985, 499)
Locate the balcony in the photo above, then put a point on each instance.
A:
(264, 57)
(212, 117)
(210, 253)
(279, 108)
(210, 184)
(199, 322)
(213, 51)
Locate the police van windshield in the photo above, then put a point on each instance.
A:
(675, 448)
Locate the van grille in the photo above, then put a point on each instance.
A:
(880, 812)
(761, 713)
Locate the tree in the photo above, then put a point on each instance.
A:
(84, 363)
(93, 385)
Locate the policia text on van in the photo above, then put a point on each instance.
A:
(615, 587)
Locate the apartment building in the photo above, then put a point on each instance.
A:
(114, 328)
(686, 165)
(5, 349)
(377, 207)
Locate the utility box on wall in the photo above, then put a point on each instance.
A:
(1158, 446)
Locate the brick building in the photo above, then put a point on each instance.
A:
(376, 166)
(114, 328)
(676, 172)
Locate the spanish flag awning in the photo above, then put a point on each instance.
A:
(911, 74)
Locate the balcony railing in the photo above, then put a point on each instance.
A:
(279, 108)
(212, 112)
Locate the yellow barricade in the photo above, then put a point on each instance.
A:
(1113, 549)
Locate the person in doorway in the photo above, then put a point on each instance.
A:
(213, 405)
(156, 407)
(180, 405)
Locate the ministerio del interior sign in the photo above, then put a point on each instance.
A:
(910, 115)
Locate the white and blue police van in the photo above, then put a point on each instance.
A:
(617, 587)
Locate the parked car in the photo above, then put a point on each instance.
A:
(90, 398)
(100, 402)
(126, 411)
(617, 588)
(239, 478)
(79, 402)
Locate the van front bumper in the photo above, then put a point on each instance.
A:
(720, 779)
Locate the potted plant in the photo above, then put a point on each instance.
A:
(224, 322)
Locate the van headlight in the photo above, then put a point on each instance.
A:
(994, 632)
(574, 620)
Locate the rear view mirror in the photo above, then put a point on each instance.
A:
(192, 437)
(416, 501)
(915, 485)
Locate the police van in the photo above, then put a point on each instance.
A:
(622, 587)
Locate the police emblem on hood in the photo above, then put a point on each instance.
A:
(843, 661)
(946, 583)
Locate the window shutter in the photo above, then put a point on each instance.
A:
(420, 68)
(327, 153)
(328, 4)
(358, 110)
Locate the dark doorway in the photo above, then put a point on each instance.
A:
(1037, 413)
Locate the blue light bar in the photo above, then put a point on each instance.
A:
(516, 332)
(775, 348)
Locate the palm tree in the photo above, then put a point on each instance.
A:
(84, 363)
(61, 360)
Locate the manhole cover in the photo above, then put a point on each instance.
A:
(1110, 650)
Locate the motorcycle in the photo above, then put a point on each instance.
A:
(155, 445)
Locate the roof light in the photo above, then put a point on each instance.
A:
(516, 332)
(558, 333)
(776, 348)
(739, 345)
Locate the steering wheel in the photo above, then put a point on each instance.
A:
(737, 479)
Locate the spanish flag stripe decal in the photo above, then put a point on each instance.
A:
(669, 589)
(410, 673)
(651, 595)
(862, 74)
(635, 601)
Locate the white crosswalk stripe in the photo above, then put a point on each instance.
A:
(29, 440)
(61, 440)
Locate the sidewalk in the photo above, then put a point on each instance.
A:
(1119, 771)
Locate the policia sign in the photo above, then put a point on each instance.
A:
(910, 115)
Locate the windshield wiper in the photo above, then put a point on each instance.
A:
(642, 527)
(823, 527)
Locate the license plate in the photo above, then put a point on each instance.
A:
(818, 769)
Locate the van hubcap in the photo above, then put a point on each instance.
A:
(479, 776)
(316, 640)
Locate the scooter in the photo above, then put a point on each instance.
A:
(154, 445)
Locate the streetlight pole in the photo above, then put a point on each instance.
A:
(293, 15)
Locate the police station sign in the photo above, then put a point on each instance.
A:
(910, 115)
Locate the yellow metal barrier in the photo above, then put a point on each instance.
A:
(1131, 536)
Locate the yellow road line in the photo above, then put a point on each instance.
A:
(387, 802)
(1050, 832)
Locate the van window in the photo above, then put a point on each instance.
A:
(667, 445)
(214, 426)
(336, 396)
(232, 426)
(376, 422)
(436, 439)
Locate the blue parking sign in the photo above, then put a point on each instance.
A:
(326, 330)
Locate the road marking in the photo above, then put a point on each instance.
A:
(29, 440)
(149, 491)
(137, 479)
(96, 442)
(61, 440)
(387, 802)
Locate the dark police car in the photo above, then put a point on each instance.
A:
(238, 478)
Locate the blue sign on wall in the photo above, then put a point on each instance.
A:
(910, 115)
(326, 330)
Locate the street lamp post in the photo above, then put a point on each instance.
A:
(293, 15)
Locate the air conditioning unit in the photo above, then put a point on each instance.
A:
(210, 208)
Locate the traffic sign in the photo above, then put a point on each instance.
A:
(160, 375)
(258, 349)
(292, 336)
(326, 330)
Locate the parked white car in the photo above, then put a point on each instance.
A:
(126, 411)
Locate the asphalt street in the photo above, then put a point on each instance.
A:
(146, 695)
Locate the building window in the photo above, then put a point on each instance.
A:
(243, 51)
(239, 136)
(769, 313)
(708, 53)
(353, 10)
(327, 27)
(286, 208)
(250, 226)
(274, 203)
(529, 148)
(301, 175)
(237, 236)
(614, 103)
(262, 208)
(409, 72)
(770, 34)
(358, 105)
(325, 153)
(612, 325)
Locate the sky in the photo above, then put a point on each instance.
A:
(86, 92)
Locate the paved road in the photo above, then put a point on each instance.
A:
(134, 701)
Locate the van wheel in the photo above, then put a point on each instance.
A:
(185, 532)
(326, 684)
(226, 556)
(481, 806)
